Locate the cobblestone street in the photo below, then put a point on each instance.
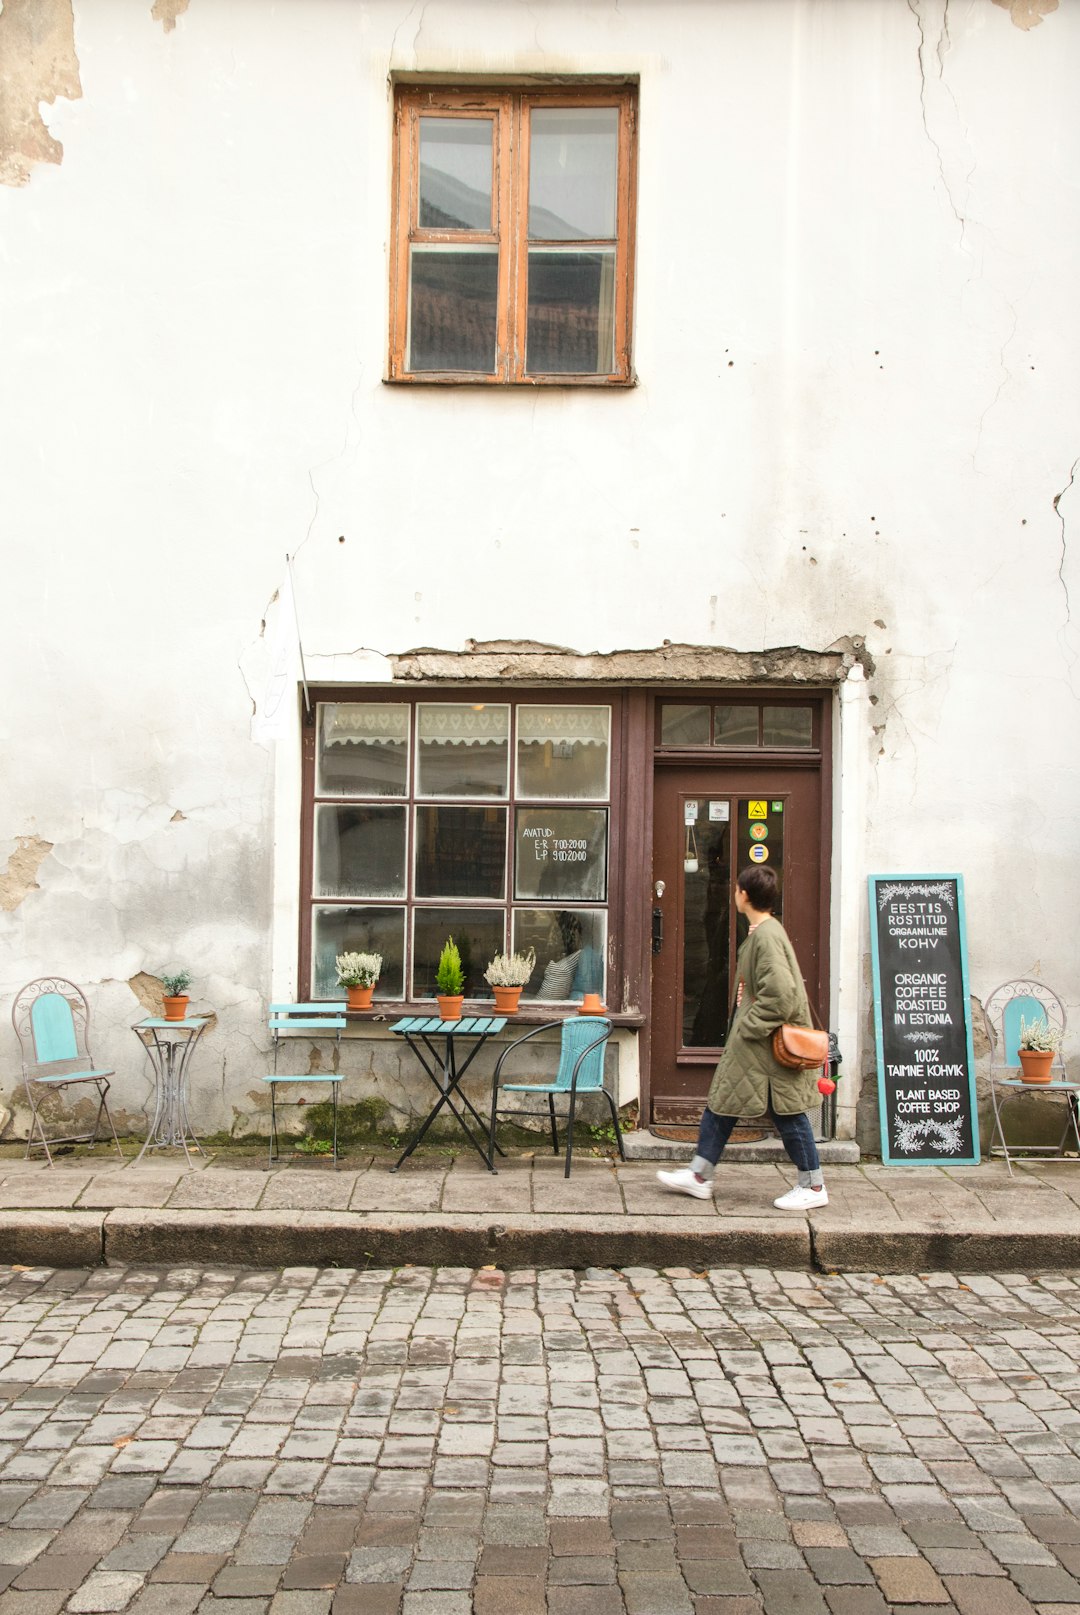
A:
(438, 1442)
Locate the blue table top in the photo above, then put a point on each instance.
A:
(1062, 1084)
(467, 1026)
(188, 1024)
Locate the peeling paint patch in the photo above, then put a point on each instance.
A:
(1027, 13)
(178, 817)
(37, 63)
(18, 881)
(499, 660)
(149, 991)
(167, 11)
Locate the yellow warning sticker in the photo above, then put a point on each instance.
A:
(757, 810)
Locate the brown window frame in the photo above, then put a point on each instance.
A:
(540, 1010)
(510, 108)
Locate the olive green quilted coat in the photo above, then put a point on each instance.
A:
(772, 994)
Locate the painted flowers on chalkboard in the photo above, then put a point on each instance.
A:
(936, 888)
(917, 1135)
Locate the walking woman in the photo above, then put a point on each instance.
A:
(748, 1080)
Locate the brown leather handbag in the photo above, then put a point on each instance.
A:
(800, 1048)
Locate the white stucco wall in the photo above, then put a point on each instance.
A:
(856, 414)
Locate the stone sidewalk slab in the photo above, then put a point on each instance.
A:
(447, 1210)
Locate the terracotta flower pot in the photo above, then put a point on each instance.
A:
(1035, 1065)
(176, 1008)
(591, 1005)
(450, 1006)
(507, 999)
(359, 997)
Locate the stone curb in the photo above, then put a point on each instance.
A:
(347, 1239)
(52, 1238)
(40, 1238)
(914, 1247)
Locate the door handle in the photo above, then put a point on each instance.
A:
(657, 929)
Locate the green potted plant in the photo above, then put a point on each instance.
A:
(450, 982)
(176, 994)
(506, 975)
(1036, 1046)
(358, 973)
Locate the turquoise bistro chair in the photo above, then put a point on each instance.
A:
(581, 1070)
(52, 1022)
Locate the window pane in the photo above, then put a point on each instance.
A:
(359, 851)
(788, 726)
(460, 852)
(463, 750)
(561, 852)
(684, 726)
(357, 930)
(455, 173)
(562, 751)
(571, 312)
(573, 163)
(363, 749)
(479, 934)
(570, 945)
(453, 308)
(735, 726)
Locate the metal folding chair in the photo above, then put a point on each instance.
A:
(52, 1023)
(287, 1021)
(581, 1070)
(1029, 1000)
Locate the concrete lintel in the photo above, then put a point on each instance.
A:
(499, 661)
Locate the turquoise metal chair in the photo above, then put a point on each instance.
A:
(52, 1022)
(289, 1021)
(581, 1070)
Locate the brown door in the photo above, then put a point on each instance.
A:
(710, 822)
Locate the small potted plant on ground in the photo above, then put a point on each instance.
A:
(1037, 1045)
(450, 982)
(358, 973)
(506, 975)
(176, 995)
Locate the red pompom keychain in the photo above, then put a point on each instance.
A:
(826, 1085)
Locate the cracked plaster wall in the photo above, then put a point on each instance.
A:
(853, 426)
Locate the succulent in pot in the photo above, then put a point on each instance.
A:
(450, 981)
(507, 975)
(1036, 1046)
(358, 974)
(175, 994)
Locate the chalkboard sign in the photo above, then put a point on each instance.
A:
(926, 1069)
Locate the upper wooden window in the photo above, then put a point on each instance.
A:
(512, 235)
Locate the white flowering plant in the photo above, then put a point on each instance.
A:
(1039, 1037)
(358, 969)
(510, 969)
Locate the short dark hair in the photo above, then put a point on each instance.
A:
(761, 887)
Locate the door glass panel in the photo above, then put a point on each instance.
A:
(570, 945)
(735, 726)
(684, 726)
(455, 173)
(708, 891)
(571, 318)
(453, 308)
(562, 751)
(787, 726)
(359, 851)
(573, 165)
(479, 934)
(357, 930)
(363, 749)
(460, 852)
(463, 750)
(561, 853)
(760, 840)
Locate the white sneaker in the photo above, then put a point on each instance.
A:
(686, 1183)
(798, 1199)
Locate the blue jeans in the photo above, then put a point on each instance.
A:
(796, 1135)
